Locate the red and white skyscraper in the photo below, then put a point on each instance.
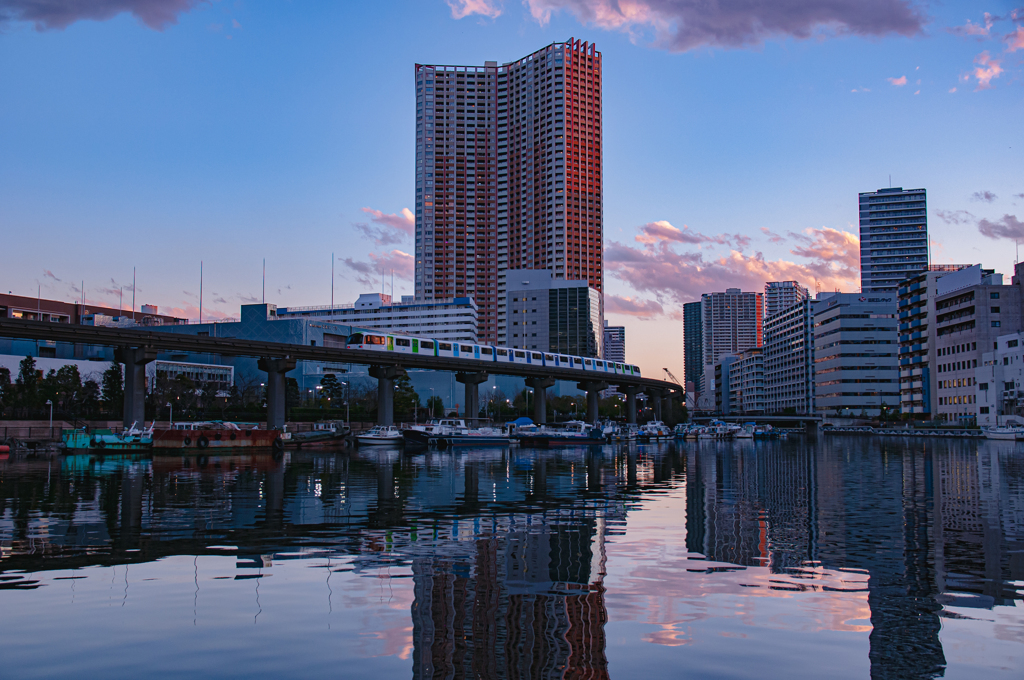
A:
(508, 175)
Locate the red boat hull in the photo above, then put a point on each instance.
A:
(215, 439)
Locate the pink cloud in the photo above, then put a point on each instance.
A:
(401, 263)
(662, 230)
(59, 14)
(682, 25)
(1009, 227)
(898, 82)
(973, 29)
(464, 8)
(987, 69)
(404, 222)
(772, 237)
(1015, 40)
(643, 309)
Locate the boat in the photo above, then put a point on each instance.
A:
(216, 434)
(1004, 432)
(764, 432)
(380, 434)
(746, 431)
(131, 439)
(574, 433)
(654, 430)
(329, 432)
(451, 432)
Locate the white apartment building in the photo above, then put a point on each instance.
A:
(999, 381)
(454, 319)
(789, 360)
(781, 295)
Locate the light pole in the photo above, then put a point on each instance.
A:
(50, 404)
(494, 401)
(431, 402)
(170, 414)
(347, 421)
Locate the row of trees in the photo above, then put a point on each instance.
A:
(31, 393)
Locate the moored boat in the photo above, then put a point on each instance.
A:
(655, 430)
(380, 435)
(216, 434)
(131, 439)
(1004, 432)
(574, 433)
(330, 432)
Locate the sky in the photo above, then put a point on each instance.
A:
(155, 135)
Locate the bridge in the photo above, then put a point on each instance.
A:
(135, 348)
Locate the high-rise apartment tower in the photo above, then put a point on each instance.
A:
(508, 175)
(693, 363)
(730, 323)
(893, 237)
(781, 295)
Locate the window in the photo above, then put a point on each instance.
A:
(502, 352)
(445, 346)
(983, 386)
(984, 409)
(993, 296)
(486, 350)
(427, 344)
(1011, 343)
(402, 342)
(995, 310)
(520, 355)
(995, 324)
(465, 348)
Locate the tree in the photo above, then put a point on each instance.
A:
(406, 398)
(112, 384)
(333, 388)
(28, 383)
(6, 390)
(435, 407)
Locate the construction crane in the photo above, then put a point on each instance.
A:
(686, 397)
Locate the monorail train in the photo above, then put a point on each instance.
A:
(403, 344)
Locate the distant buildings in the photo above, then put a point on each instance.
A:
(855, 354)
(614, 343)
(693, 339)
(730, 323)
(552, 314)
(781, 295)
(789, 359)
(455, 319)
(56, 311)
(508, 176)
(893, 237)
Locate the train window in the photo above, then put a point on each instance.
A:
(355, 339)
(548, 357)
(588, 362)
(485, 350)
(536, 355)
(427, 344)
(599, 364)
(636, 369)
(465, 348)
(502, 352)
(374, 340)
(402, 342)
(520, 355)
(577, 360)
(445, 346)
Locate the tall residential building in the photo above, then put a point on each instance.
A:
(614, 343)
(693, 364)
(855, 362)
(999, 380)
(455, 319)
(893, 237)
(730, 323)
(972, 309)
(508, 176)
(916, 307)
(554, 315)
(781, 295)
(789, 360)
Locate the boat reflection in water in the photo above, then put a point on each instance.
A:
(586, 562)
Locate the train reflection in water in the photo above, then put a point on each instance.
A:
(507, 549)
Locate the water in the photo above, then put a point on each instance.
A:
(840, 558)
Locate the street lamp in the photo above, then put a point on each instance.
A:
(170, 416)
(50, 404)
(346, 403)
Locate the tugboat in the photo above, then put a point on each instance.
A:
(132, 439)
(216, 434)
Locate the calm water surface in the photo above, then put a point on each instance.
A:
(839, 557)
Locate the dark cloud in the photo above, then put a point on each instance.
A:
(1018, 195)
(1008, 227)
(48, 274)
(59, 14)
(955, 216)
(986, 196)
(248, 299)
(380, 237)
(682, 25)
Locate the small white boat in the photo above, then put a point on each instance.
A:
(745, 432)
(381, 434)
(655, 430)
(1006, 432)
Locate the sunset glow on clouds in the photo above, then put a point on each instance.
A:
(59, 14)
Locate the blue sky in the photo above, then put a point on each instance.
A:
(155, 134)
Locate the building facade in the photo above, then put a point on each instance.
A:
(893, 237)
(781, 295)
(916, 308)
(508, 175)
(999, 382)
(730, 323)
(789, 360)
(554, 315)
(614, 343)
(855, 354)
(746, 383)
(693, 363)
(972, 309)
(455, 319)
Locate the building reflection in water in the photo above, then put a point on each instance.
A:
(507, 549)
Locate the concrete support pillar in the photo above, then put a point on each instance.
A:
(277, 388)
(593, 390)
(385, 376)
(540, 404)
(655, 398)
(134, 360)
(630, 392)
(472, 382)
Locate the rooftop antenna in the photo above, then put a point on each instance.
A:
(200, 291)
(133, 293)
(890, 180)
(332, 283)
(83, 292)
(120, 300)
(264, 280)
(392, 285)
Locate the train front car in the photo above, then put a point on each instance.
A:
(371, 341)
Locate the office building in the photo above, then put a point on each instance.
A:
(554, 315)
(789, 360)
(855, 362)
(719, 380)
(893, 237)
(916, 308)
(455, 319)
(730, 323)
(614, 343)
(746, 383)
(972, 309)
(999, 382)
(781, 295)
(508, 176)
(693, 363)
